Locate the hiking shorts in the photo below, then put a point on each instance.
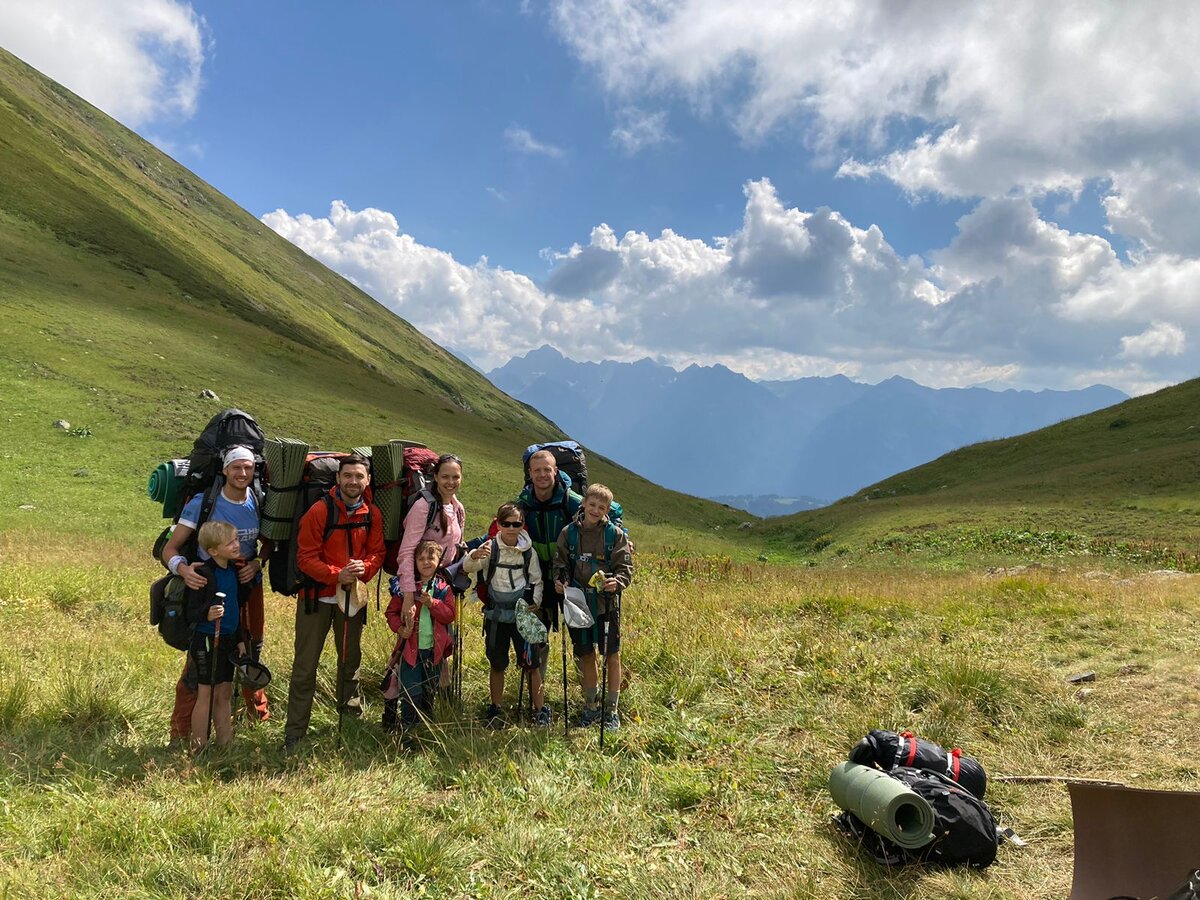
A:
(586, 640)
(497, 638)
(198, 654)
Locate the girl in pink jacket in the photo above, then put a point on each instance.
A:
(423, 638)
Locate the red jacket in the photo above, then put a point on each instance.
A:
(441, 610)
(323, 559)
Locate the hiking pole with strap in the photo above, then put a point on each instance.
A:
(520, 692)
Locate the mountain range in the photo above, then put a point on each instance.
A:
(713, 432)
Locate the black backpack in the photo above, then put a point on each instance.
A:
(320, 475)
(964, 832)
(889, 749)
(227, 429)
(168, 607)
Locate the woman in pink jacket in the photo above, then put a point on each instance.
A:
(443, 526)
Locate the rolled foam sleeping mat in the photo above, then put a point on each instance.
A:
(883, 804)
(387, 485)
(166, 483)
(285, 470)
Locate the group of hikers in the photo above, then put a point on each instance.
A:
(549, 552)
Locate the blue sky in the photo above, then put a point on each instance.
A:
(1002, 193)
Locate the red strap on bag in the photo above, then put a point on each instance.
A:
(912, 747)
(954, 767)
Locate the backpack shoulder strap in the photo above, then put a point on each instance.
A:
(434, 506)
(526, 557)
(610, 541)
(493, 560)
(331, 516)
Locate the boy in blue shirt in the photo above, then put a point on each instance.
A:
(214, 608)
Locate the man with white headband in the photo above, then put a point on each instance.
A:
(236, 505)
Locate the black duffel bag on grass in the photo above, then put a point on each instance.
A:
(886, 750)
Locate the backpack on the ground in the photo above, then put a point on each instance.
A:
(964, 832)
(320, 475)
(888, 749)
(568, 456)
(168, 605)
(178, 481)
(417, 482)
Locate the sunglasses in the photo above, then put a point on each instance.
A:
(511, 524)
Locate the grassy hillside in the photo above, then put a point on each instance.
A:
(129, 285)
(1124, 481)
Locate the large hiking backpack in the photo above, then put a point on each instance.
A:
(418, 482)
(887, 750)
(320, 475)
(964, 832)
(168, 604)
(568, 456)
(201, 472)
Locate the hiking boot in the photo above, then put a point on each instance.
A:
(494, 716)
(612, 720)
(541, 719)
(590, 717)
(290, 743)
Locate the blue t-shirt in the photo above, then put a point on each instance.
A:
(227, 584)
(242, 516)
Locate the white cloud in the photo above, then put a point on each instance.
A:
(138, 60)
(521, 140)
(792, 292)
(1160, 339)
(637, 129)
(986, 96)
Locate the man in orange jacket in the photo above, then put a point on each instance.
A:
(339, 547)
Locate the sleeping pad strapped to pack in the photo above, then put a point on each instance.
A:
(320, 475)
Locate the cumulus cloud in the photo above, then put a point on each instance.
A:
(1160, 339)
(138, 60)
(792, 292)
(521, 140)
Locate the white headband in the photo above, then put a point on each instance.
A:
(237, 454)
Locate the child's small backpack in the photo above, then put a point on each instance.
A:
(168, 606)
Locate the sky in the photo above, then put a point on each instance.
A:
(998, 193)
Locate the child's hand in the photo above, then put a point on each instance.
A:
(216, 611)
(242, 648)
(611, 585)
(482, 550)
(559, 586)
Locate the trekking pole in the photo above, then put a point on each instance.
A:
(456, 672)
(520, 694)
(342, 661)
(212, 670)
(562, 627)
(604, 677)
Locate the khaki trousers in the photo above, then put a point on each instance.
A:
(311, 630)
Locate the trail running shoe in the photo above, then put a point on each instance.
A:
(494, 716)
(542, 717)
(612, 721)
(590, 717)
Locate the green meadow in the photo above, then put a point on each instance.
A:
(954, 600)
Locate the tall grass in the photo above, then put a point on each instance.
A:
(744, 687)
